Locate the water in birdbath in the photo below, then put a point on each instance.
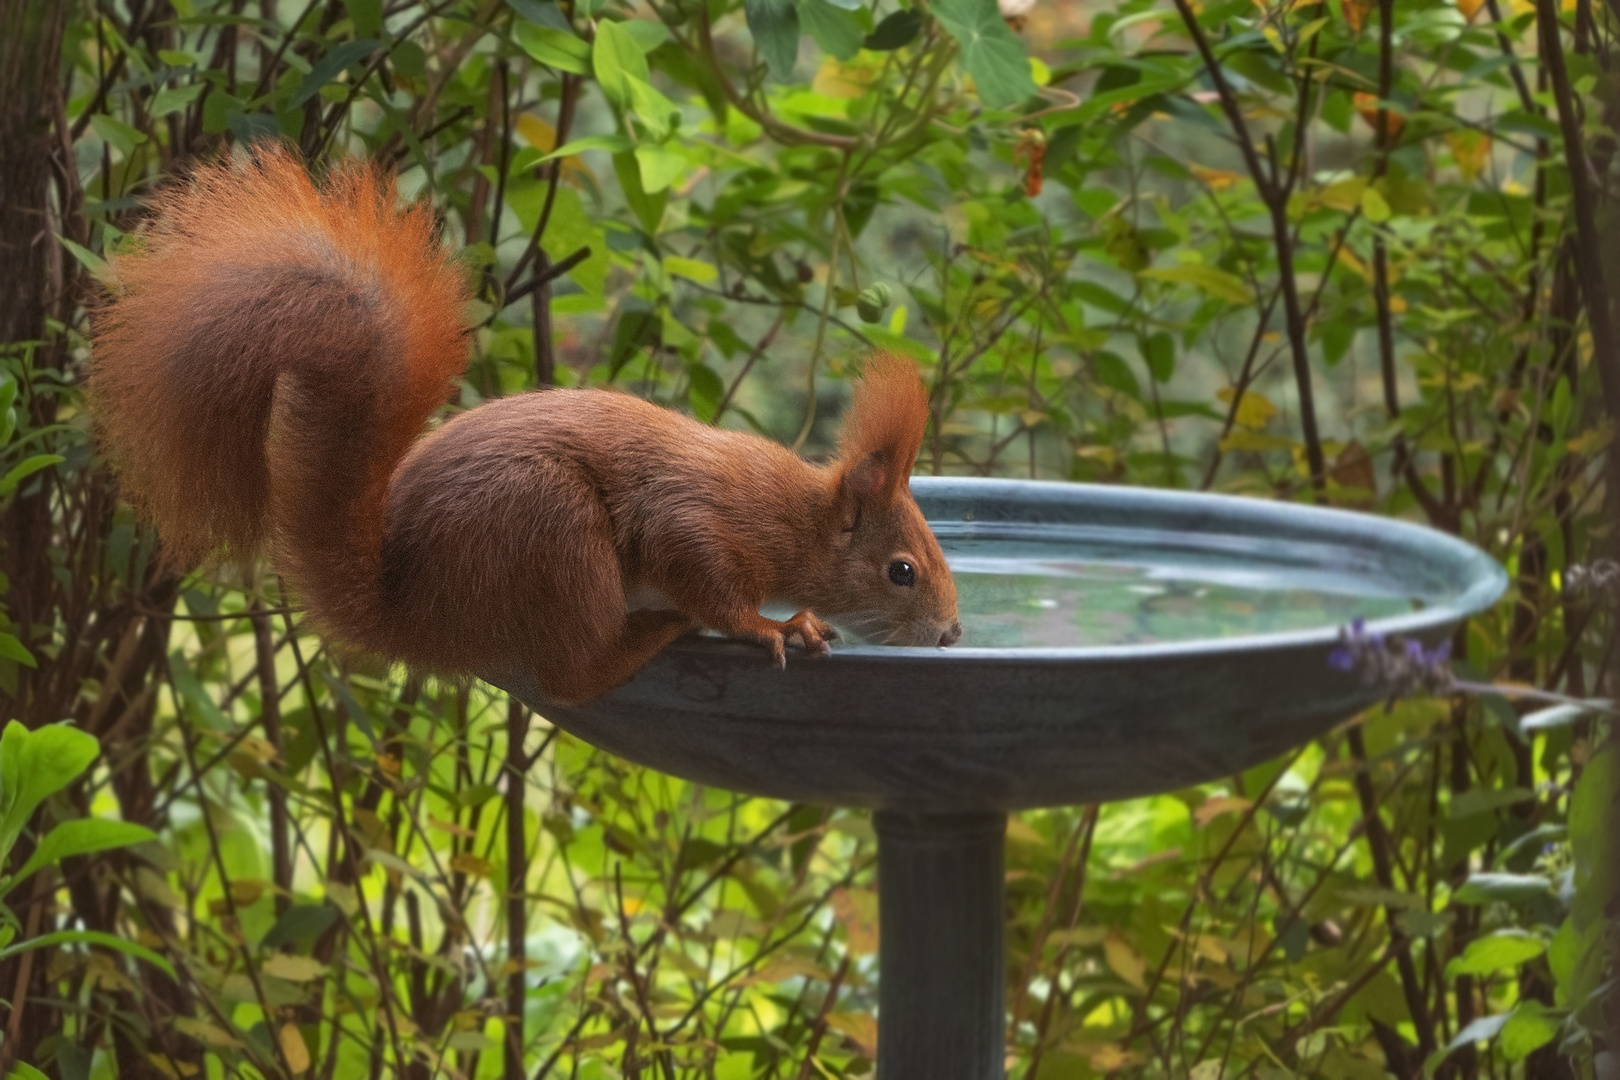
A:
(1066, 586)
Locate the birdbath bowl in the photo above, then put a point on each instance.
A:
(1117, 642)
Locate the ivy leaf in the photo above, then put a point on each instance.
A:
(897, 29)
(991, 53)
(775, 26)
(836, 30)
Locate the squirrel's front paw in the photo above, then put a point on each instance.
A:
(811, 632)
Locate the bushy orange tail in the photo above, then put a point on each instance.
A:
(269, 352)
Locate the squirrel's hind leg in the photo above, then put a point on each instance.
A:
(644, 635)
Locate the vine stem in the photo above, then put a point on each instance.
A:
(838, 233)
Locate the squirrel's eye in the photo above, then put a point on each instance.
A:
(902, 573)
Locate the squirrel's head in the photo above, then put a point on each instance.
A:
(890, 584)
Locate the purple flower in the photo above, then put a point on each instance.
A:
(1403, 666)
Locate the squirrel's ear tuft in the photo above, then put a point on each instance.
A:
(883, 431)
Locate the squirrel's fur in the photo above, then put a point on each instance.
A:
(264, 367)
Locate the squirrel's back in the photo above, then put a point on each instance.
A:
(268, 353)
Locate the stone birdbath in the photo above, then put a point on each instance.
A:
(1117, 642)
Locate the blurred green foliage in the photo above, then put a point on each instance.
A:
(1354, 261)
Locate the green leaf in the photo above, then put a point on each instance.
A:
(836, 30)
(660, 167)
(1531, 1026)
(897, 30)
(1506, 948)
(184, 681)
(299, 925)
(648, 207)
(616, 59)
(1212, 280)
(35, 765)
(119, 134)
(1483, 800)
(648, 34)
(693, 269)
(12, 649)
(26, 468)
(80, 837)
(991, 53)
(171, 99)
(330, 66)
(1503, 888)
(561, 50)
(90, 937)
(655, 111)
(775, 26)
(570, 229)
(543, 12)
(1374, 206)
(613, 144)
(1159, 352)
(24, 1071)
(367, 16)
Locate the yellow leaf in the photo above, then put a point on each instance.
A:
(1254, 410)
(469, 863)
(247, 891)
(1470, 149)
(450, 827)
(1023, 834)
(859, 1028)
(1215, 179)
(535, 131)
(1374, 206)
(205, 1033)
(1124, 961)
(1216, 807)
(1355, 13)
(1345, 195)
(835, 80)
(693, 269)
(293, 1047)
(1111, 1057)
(171, 1068)
(293, 968)
(1352, 262)
(857, 910)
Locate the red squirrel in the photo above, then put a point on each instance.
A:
(261, 374)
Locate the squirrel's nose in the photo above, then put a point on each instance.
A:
(952, 634)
